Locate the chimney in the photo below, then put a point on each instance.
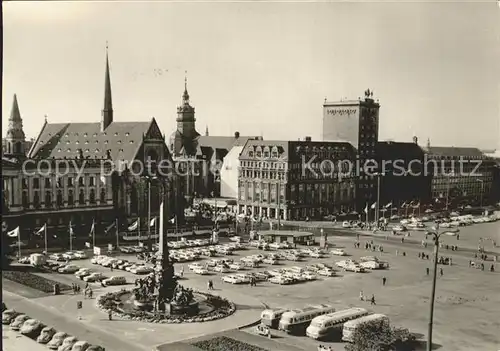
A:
(307, 138)
(236, 135)
(415, 140)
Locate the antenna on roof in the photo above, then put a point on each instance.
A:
(45, 116)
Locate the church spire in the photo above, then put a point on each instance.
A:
(206, 131)
(15, 134)
(107, 111)
(185, 96)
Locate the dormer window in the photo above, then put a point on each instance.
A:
(69, 150)
(121, 150)
(104, 133)
(131, 141)
(127, 134)
(96, 150)
(94, 135)
(68, 142)
(85, 135)
(116, 134)
(105, 141)
(66, 135)
(77, 142)
(87, 150)
(76, 134)
(119, 141)
(86, 141)
(59, 150)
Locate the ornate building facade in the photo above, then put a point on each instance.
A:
(296, 179)
(104, 171)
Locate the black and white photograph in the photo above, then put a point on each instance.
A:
(250, 175)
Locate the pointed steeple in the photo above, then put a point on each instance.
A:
(107, 110)
(15, 115)
(15, 137)
(206, 131)
(428, 143)
(185, 96)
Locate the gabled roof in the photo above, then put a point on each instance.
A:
(251, 144)
(60, 140)
(222, 142)
(453, 151)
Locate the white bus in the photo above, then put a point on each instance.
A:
(324, 325)
(296, 321)
(271, 317)
(351, 326)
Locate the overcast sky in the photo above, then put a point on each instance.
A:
(260, 67)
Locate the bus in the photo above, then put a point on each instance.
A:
(351, 326)
(296, 321)
(324, 325)
(271, 317)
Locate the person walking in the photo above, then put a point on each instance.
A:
(90, 294)
(384, 280)
(182, 271)
(441, 271)
(427, 270)
(361, 296)
(110, 315)
(372, 301)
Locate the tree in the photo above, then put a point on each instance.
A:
(380, 336)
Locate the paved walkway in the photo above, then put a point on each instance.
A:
(14, 341)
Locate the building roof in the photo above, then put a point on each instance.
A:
(281, 145)
(453, 151)
(390, 150)
(219, 146)
(63, 140)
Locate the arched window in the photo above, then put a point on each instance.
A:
(25, 199)
(48, 199)
(81, 197)
(70, 197)
(59, 199)
(36, 199)
(102, 196)
(92, 196)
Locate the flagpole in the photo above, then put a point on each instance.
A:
(139, 230)
(176, 228)
(46, 249)
(93, 234)
(117, 235)
(19, 242)
(70, 237)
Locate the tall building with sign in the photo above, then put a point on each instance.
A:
(356, 122)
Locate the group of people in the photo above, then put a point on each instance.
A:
(372, 299)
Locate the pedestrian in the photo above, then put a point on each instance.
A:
(427, 270)
(449, 261)
(361, 296)
(492, 268)
(402, 240)
(111, 268)
(90, 293)
(419, 255)
(110, 315)
(470, 263)
(441, 271)
(404, 253)
(458, 236)
(373, 300)
(384, 280)
(397, 252)
(182, 271)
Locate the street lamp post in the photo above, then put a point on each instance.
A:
(279, 200)
(436, 236)
(378, 175)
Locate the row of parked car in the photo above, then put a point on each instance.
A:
(283, 276)
(35, 329)
(68, 256)
(124, 265)
(193, 254)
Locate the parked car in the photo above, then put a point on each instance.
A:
(115, 280)
(338, 252)
(195, 265)
(354, 268)
(70, 268)
(46, 335)
(201, 271)
(57, 340)
(142, 270)
(80, 346)
(83, 272)
(236, 266)
(270, 261)
(232, 279)
(18, 322)
(221, 269)
(80, 255)
(326, 272)
(32, 328)
(280, 280)
(68, 343)
(95, 348)
(94, 277)
(8, 316)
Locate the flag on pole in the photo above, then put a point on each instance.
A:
(103, 179)
(41, 230)
(14, 233)
(374, 205)
(111, 226)
(366, 208)
(92, 229)
(134, 226)
(404, 205)
(388, 205)
(71, 231)
(173, 219)
(417, 205)
(153, 222)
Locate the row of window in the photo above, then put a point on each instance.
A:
(59, 182)
(262, 164)
(85, 135)
(59, 198)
